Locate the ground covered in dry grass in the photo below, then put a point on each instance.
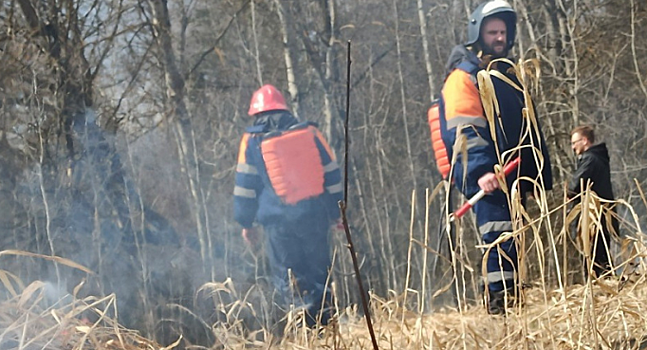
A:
(600, 315)
(597, 316)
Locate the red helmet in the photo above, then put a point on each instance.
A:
(267, 98)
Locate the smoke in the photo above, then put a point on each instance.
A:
(86, 208)
(108, 205)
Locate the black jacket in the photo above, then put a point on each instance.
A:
(593, 164)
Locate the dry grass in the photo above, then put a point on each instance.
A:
(27, 323)
(609, 313)
(604, 314)
(581, 317)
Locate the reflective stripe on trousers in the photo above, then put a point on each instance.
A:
(493, 218)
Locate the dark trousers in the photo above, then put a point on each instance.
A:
(600, 248)
(303, 248)
(600, 245)
(493, 218)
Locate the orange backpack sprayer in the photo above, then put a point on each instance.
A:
(293, 164)
(440, 152)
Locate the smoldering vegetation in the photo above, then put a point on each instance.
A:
(118, 141)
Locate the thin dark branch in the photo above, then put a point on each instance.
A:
(377, 60)
(342, 209)
(111, 39)
(215, 44)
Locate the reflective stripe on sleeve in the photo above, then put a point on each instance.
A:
(244, 192)
(246, 169)
(334, 188)
(479, 122)
(332, 166)
(476, 142)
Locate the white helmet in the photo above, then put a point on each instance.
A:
(495, 8)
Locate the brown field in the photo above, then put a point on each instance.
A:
(604, 314)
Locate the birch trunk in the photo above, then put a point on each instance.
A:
(405, 117)
(330, 75)
(259, 71)
(425, 49)
(287, 55)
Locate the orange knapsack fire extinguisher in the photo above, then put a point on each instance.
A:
(440, 152)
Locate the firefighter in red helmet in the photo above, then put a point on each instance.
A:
(288, 181)
(266, 99)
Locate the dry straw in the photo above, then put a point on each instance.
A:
(589, 316)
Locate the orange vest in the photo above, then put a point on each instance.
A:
(293, 164)
(440, 152)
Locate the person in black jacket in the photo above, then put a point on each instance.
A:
(593, 166)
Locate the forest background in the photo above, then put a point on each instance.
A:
(120, 123)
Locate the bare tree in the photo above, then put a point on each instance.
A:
(288, 49)
(176, 95)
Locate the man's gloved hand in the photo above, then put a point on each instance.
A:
(337, 226)
(250, 235)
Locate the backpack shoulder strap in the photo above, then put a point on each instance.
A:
(469, 67)
(303, 125)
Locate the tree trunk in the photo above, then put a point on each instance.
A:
(175, 93)
(425, 49)
(257, 59)
(287, 55)
(331, 75)
(405, 117)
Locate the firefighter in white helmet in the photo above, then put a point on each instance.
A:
(490, 36)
